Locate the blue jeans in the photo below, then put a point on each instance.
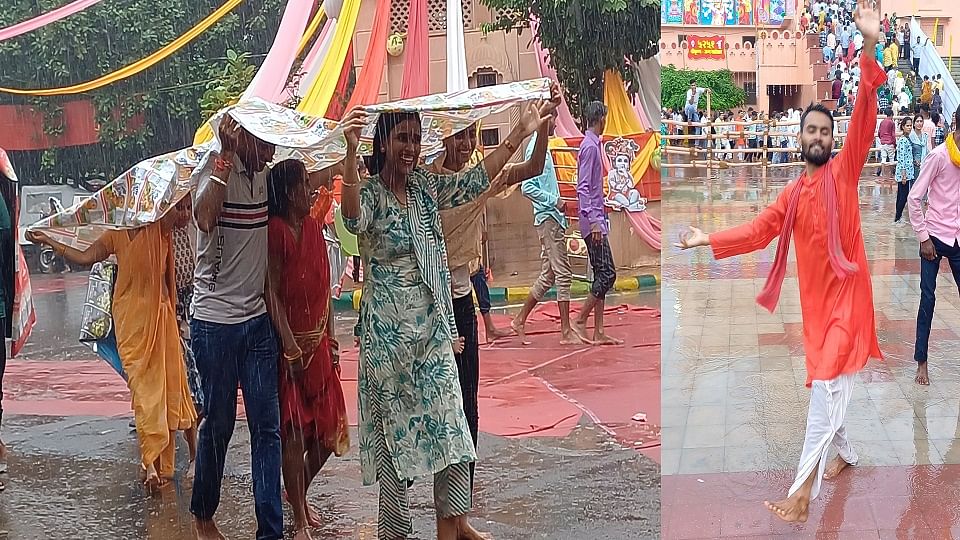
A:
(928, 287)
(228, 355)
(480, 288)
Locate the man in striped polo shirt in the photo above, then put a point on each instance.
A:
(232, 336)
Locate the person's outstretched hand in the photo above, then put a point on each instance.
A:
(692, 239)
(867, 17)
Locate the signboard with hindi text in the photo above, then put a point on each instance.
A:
(706, 47)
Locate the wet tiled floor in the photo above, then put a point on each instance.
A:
(734, 402)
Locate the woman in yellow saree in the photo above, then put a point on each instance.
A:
(144, 313)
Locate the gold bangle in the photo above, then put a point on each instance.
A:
(355, 184)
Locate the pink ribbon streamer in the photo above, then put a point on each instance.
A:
(566, 126)
(42, 20)
(646, 227)
(271, 79)
(416, 65)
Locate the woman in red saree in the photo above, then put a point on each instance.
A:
(313, 418)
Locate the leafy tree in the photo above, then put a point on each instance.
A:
(585, 38)
(674, 84)
(110, 35)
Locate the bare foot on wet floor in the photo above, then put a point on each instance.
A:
(521, 332)
(792, 509)
(604, 339)
(570, 338)
(834, 468)
(207, 530)
(151, 480)
(467, 532)
(191, 471)
(313, 519)
(923, 378)
(302, 534)
(496, 333)
(580, 329)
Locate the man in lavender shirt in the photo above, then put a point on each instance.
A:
(593, 223)
(938, 232)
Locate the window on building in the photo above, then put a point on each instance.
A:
(752, 40)
(485, 77)
(490, 137)
(681, 39)
(751, 90)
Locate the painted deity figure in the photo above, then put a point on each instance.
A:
(623, 194)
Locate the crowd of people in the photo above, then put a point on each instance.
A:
(256, 309)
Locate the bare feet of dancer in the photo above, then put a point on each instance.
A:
(834, 468)
(493, 333)
(923, 378)
(207, 530)
(191, 470)
(580, 329)
(3, 457)
(793, 509)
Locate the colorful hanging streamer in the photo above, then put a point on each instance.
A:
(317, 98)
(277, 64)
(416, 60)
(371, 74)
(271, 78)
(46, 18)
(456, 50)
(138, 66)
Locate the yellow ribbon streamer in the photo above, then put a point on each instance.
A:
(311, 30)
(138, 66)
(320, 93)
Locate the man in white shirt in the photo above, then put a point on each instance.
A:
(690, 107)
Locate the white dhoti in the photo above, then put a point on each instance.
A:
(828, 407)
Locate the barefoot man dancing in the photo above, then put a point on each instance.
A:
(836, 296)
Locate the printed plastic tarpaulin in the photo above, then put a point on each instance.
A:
(146, 192)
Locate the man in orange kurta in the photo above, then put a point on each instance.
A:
(836, 296)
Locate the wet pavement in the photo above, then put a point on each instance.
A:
(734, 402)
(560, 454)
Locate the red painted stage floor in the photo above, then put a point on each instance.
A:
(540, 390)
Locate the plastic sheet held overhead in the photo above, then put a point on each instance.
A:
(146, 192)
(138, 66)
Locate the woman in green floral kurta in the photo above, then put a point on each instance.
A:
(411, 416)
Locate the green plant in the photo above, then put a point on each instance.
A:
(148, 114)
(674, 84)
(585, 38)
(227, 83)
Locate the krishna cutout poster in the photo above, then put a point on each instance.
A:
(623, 193)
